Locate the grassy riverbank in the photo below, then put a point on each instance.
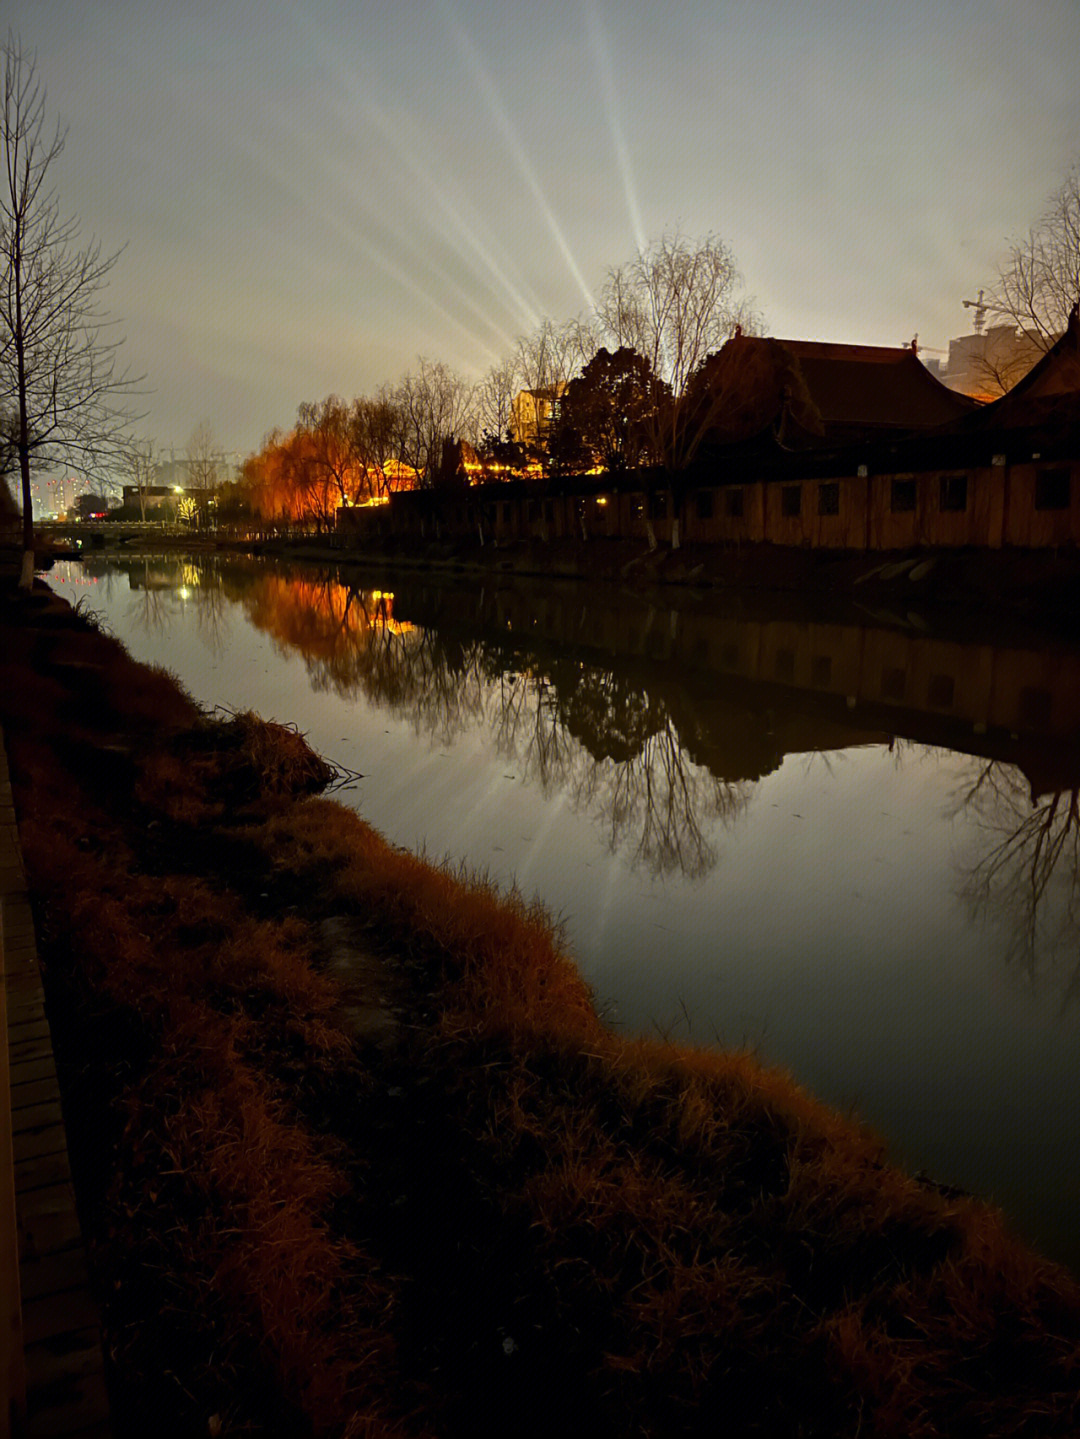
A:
(355, 1154)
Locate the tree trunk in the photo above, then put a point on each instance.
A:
(675, 533)
(26, 577)
(650, 535)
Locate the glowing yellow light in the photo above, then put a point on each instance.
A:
(601, 499)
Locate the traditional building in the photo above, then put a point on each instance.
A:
(532, 413)
(842, 447)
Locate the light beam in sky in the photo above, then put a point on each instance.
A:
(605, 70)
(363, 244)
(466, 244)
(360, 243)
(486, 87)
(465, 240)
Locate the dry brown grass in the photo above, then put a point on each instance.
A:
(508, 1220)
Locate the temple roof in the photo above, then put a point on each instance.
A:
(809, 394)
(858, 389)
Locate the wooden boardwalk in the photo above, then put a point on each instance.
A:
(51, 1371)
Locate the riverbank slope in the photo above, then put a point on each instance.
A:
(355, 1154)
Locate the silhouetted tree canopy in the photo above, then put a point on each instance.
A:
(612, 407)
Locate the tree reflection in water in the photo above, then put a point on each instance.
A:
(1029, 876)
(605, 739)
(157, 583)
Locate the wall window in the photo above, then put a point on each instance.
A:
(952, 494)
(704, 504)
(733, 503)
(1052, 490)
(791, 501)
(821, 671)
(658, 505)
(902, 496)
(784, 666)
(531, 511)
(828, 498)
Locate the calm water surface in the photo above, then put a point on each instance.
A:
(850, 842)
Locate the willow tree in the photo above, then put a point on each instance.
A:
(58, 366)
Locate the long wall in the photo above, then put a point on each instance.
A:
(1030, 505)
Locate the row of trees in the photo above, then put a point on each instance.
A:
(344, 452)
(663, 314)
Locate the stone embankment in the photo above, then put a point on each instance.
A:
(51, 1367)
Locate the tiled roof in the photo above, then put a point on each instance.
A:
(869, 387)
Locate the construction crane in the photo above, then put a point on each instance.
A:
(979, 306)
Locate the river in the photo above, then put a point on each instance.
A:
(849, 839)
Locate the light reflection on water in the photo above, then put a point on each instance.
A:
(854, 846)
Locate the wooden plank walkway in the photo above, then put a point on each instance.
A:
(51, 1371)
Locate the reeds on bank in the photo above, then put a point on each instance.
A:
(489, 1214)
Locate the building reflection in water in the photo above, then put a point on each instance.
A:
(658, 719)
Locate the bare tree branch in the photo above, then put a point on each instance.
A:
(58, 365)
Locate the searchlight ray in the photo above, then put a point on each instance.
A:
(493, 273)
(486, 87)
(606, 73)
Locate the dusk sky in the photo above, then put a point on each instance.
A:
(312, 195)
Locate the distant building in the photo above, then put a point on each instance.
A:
(532, 413)
(157, 500)
(90, 507)
(818, 446)
(987, 363)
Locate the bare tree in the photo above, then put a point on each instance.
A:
(332, 455)
(495, 399)
(205, 466)
(138, 466)
(1039, 284)
(373, 430)
(58, 370)
(553, 353)
(675, 303)
(434, 405)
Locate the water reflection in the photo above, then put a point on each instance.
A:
(158, 583)
(875, 812)
(1028, 876)
(607, 740)
(659, 721)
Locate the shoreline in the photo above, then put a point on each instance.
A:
(1039, 586)
(369, 1131)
